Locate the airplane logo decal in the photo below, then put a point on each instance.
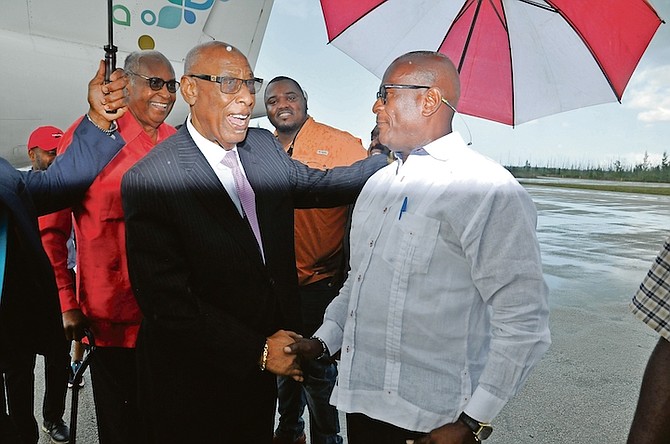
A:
(168, 17)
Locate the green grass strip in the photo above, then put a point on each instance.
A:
(663, 191)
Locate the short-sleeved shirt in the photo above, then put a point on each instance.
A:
(651, 303)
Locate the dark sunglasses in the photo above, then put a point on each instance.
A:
(156, 83)
(382, 93)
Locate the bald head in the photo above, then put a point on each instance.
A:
(434, 69)
(220, 115)
(411, 111)
(214, 47)
(137, 59)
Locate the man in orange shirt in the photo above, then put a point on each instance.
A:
(105, 301)
(321, 257)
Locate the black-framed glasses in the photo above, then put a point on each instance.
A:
(231, 85)
(382, 93)
(156, 83)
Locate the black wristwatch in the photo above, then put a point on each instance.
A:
(324, 348)
(481, 430)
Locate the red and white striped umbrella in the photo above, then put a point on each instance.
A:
(518, 59)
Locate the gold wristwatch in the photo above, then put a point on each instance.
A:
(481, 430)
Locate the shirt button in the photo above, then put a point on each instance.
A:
(371, 244)
(385, 209)
(347, 349)
(358, 278)
(351, 313)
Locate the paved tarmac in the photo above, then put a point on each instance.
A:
(87, 432)
(596, 248)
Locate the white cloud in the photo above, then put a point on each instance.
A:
(657, 115)
(649, 92)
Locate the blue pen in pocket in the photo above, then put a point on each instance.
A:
(403, 208)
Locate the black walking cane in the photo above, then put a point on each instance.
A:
(110, 49)
(76, 379)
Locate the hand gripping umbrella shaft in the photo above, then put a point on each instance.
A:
(110, 49)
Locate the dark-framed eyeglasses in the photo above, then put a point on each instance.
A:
(156, 83)
(231, 85)
(383, 89)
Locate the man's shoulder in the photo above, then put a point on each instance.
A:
(479, 167)
(6, 166)
(259, 136)
(324, 140)
(260, 140)
(164, 152)
(331, 131)
(9, 176)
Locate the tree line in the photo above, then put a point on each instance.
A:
(644, 171)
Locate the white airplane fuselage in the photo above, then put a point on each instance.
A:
(51, 50)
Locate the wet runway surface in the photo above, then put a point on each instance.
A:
(596, 247)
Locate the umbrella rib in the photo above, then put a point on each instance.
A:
(532, 3)
(500, 19)
(466, 5)
(511, 64)
(587, 45)
(466, 46)
(353, 22)
(467, 40)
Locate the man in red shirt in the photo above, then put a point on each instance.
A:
(105, 302)
(29, 312)
(321, 257)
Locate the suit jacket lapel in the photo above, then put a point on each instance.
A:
(205, 185)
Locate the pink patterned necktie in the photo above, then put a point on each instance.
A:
(246, 195)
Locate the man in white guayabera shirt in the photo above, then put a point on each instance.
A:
(445, 311)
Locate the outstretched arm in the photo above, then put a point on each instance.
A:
(64, 183)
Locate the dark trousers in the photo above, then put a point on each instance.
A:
(16, 372)
(56, 372)
(362, 429)
(202, 399)
(114, 381)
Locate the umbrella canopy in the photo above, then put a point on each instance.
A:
(518, 59)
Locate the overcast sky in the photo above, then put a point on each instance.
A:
(341, 94)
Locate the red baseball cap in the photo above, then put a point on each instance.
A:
(45, 137)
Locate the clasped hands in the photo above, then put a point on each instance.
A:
(286, 349)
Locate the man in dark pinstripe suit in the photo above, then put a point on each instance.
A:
(209, 289)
